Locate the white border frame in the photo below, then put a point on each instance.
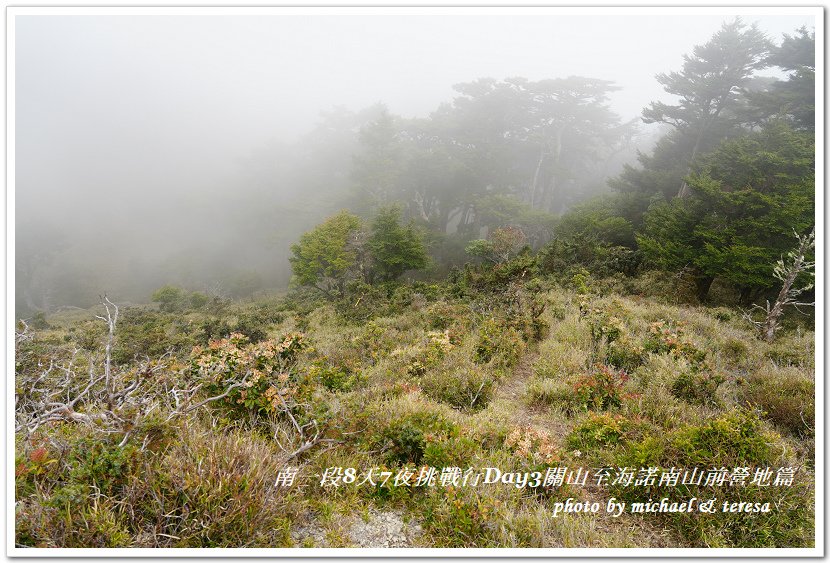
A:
(12, 551)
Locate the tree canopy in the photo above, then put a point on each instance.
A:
(746, 200)
(326, 256)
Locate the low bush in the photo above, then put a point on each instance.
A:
(498, 344)
(602, 388)
(251, 378)
(467, 388)
(403, 437)
(334, 377)
(785, 396)
(461, 517)
(597, 430)
(734, 439)
(697, 386)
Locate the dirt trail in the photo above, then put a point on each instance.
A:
(513, 390)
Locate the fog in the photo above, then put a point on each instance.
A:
(194, 150)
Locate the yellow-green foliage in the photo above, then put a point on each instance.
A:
(736, 438)
(520, 376)
(785, 395)
(499, 344)
(552, 393)
(218, 490)
(598, 429)
(466, 386)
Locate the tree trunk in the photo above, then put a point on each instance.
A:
(684, 187)
(535, 186)
(553, 188)
(703, 283)
(774, 315)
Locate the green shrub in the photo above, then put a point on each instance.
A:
(141, 333)
(697, 386)
(734, 351)
(498, 344)
(450, 451)
(101, 463)
(733, 439)
(722, 314)
(601, 388)
(361, 302)
(90, 335)
(786, 397)
(625, 354)
(404, 439)
(334, 377)
(461, 517)
(597, 430)
(467, 389)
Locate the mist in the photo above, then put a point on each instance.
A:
(194, 150)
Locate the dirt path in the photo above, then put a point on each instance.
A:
(513, 390)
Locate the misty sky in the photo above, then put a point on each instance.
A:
(186, 96)
(130, 119)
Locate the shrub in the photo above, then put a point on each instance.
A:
(461, 517)
(253, 377)
(597, 430)
(142, 333)
(405, 438)
(253, 325)
(334, 377)
(467, 388)
(697, 387)
(623, 353)
(734, 439)
(734, 351)
(399, 425)
(668, 338)
(498, 344)
(786, 397)
(39, 321)
(450, 451)
(361, 302)
(602, 388)
(102, 464)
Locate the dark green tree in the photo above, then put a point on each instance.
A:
(709, 87)
(745, 201)
(394, 248)
(792, 99)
